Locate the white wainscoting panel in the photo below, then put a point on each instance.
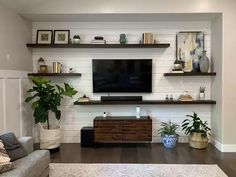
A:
(15, 115)
(75, 117)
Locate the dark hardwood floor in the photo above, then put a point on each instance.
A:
(142, 153)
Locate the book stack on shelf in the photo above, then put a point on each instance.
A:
(98, 40)
(177, 71)
(148, 38)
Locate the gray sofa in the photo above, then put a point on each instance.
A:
(35, 164)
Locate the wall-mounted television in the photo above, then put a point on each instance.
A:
(119, 75)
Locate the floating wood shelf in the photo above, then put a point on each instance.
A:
(190, 74)
(54, 74)
(147, 102)
(161, 45)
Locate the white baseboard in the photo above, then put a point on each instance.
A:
(223, 147)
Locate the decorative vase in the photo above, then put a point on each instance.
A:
(122, 39)
(196, 67)
(169, 141)
(196, 141)
(204, 62)
(76, 41)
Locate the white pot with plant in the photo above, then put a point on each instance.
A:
(197, 130)
(46, 97)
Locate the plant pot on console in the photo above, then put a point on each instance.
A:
(46, 97)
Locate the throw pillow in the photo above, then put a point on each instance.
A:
(13, 147)
(5, 164)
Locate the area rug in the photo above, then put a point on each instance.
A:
(134, 170)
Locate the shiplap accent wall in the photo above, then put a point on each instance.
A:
(15, 115)
(75, 117)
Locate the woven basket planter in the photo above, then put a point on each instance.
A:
(196, 141)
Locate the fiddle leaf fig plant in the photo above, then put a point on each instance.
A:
(47, 97)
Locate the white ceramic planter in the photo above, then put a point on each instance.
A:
(50, 139)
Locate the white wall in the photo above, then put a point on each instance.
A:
(75, 117)
(15, 115)
(15, 32)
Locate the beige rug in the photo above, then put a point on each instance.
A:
(134, 170)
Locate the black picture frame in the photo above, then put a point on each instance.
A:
(55, 40)
(49, 41)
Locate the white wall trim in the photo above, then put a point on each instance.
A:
(223, 147)
(217, 144)
(13, 74)
(4, 105)
(229, 148)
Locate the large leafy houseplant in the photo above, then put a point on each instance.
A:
(168, 134)
(46, 97)
(195, 125)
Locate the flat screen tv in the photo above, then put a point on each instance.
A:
(118, 76)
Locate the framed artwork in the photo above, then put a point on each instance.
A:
(44, 37)
(189, 45)
(61, 36)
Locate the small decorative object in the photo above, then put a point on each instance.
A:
(122, 39)
(189, 47)
(148, 38)
(98, 40)
(76, 39)
(61, 36)
(167, 97)
(177, 65)
(204, 62)
(44, 37)
(40, 62)
(137, 112)
(198, 131)
(43, 69)
(56, 67)
(188, 66)
(71, 70)
(168, 134)
(44, 101)
(202, 93)
(171, 98)
(83, 99)
(104, 115)
(185, 97)
(196, 64)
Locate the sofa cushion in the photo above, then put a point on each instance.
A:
(32, 165)
(13, 147)
(5, 164)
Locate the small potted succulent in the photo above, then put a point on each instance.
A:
(202, 93)
(198, 131)
(76, 39)
(168, 134)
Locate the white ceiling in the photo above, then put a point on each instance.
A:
(120, 17)
(33, 10)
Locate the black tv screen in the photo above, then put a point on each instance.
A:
(122, 76)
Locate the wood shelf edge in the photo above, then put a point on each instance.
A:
(147, 102)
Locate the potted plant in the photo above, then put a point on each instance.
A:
(168, 134)
(46, 98)
(198, 131)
